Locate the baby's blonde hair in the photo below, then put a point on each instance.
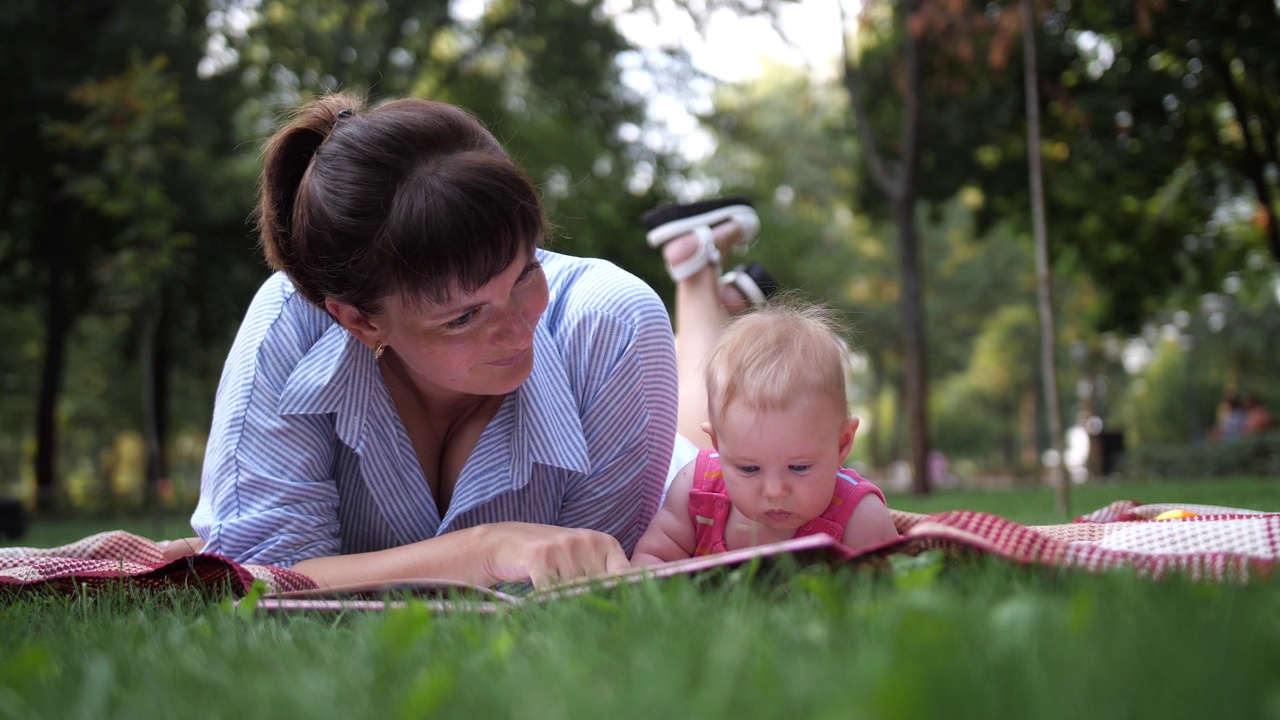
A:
(768, 357)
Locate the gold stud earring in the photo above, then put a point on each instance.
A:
(378, 350)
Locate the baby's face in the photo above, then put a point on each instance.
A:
(780, 465)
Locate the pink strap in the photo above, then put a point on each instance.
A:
(708, 504)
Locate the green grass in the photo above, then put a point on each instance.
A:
(51, 532)
(979, 639)
(1035, 506)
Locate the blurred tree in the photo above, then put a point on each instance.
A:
(113, 159)
(56, 236)
(896, 177)
(1157, 129)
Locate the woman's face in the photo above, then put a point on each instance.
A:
(478, 343)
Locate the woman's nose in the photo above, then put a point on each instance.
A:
(513, 328)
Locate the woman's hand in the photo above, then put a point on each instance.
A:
(547, 555)
(482, 555)
(180, 548)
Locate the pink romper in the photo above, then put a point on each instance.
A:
(709, 504)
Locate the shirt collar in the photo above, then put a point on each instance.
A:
(335, 376)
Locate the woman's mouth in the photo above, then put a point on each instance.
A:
(512, 359)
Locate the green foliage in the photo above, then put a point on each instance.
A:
(1152, 157)
(966, 425)
(1257, 455)
(1156, 411)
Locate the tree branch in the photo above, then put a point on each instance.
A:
(911, 100)
(890, 183)
(1253, 161)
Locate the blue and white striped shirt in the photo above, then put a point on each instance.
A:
(307, 456)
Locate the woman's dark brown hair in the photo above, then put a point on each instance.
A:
(413, 197)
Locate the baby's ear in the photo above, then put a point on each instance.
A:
(711, 433)
(848, 429)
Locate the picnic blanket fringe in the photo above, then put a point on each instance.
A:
(1213, 544)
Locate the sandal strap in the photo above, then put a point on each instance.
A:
(745, 285)
(706, 254)
(742, 213)
(664, 214)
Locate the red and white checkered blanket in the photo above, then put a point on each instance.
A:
(1214, 543)
(112, 558)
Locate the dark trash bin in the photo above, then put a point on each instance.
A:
(13, 519)
(1112, 442)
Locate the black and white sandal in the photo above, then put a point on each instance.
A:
(671, 221)
(755, 283)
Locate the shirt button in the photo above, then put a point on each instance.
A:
(807, 526)
(721, 504)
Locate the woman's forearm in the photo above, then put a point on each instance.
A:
(452, 556)
(482, 555)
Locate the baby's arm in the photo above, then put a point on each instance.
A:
(670, 535)
(869, 524)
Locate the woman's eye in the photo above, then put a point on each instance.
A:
(461, 320)
(530, 270)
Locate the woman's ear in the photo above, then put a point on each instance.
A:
(356, 322)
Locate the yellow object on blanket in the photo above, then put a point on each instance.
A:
(1177, 514)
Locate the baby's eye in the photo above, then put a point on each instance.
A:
(461, 320)
(799, 468)
(748, 469)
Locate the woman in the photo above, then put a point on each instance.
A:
(420, 391)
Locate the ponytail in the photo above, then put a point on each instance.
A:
(287, 158)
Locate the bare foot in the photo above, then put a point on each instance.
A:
(726, 236)
(734, 302)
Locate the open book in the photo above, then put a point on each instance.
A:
(453, 595)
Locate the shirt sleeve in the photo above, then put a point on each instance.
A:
(621, 354)
(267, 495)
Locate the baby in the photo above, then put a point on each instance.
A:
(780, 426)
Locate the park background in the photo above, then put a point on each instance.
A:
(890, 170)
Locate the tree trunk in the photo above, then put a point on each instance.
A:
(898, 183)
(1044, 281)
(871, 436)
(57, 328)
(915, 375)
(1028, 430)
(154, 395)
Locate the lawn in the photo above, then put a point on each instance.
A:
(974, 639)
